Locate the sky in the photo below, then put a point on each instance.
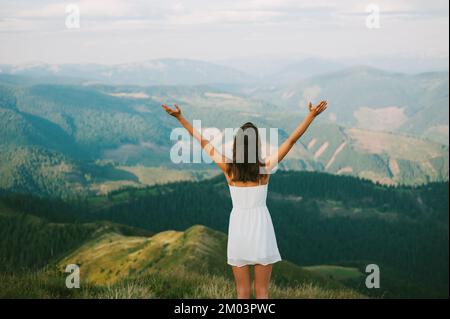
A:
(115, 31)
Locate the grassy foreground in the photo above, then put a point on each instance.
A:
(51, 284)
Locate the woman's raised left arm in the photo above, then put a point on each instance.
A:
(215, 155)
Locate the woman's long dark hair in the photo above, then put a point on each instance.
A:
(246, 165)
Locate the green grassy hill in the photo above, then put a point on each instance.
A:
(113, 257)
(30, 242)
(117, 261)
(199, 249)
(194, 261)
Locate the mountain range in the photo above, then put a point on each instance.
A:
(151, 72)
(63, 139)
(373, 99)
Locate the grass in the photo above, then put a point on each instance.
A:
(170, 264)
(198, 248)
(180, 284)
(114, 257)
(339, 273)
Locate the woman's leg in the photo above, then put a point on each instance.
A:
(262, 280)
(243, 283)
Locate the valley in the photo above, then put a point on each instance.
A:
(72, 139)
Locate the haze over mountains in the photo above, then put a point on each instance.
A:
(171, 71)
(374, 99)
(96, 128)
(152, 72)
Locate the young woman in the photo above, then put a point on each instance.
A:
(251, 236)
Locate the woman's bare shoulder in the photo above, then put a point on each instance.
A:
(265, 179)
(228, 178)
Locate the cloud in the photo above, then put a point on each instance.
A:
(205, 29)
(216, 12)
(95, 15)
(224, 16)
(88, 8)
(400, 9)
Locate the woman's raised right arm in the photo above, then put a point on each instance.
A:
(284, 149)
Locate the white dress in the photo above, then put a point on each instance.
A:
(251, 236)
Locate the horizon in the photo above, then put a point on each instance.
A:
(438, 67)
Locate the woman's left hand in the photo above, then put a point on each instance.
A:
(318, 109)
(173, 112)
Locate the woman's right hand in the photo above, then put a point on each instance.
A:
(319, 108)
